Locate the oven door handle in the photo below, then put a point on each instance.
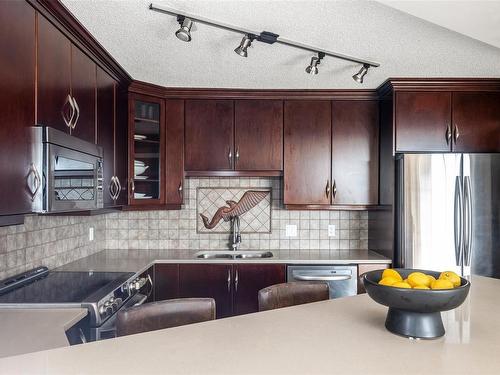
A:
(321, 277)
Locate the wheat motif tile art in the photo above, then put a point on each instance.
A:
(256, 220)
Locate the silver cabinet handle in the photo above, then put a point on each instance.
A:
(467, 221)
(458, 221)
(448, 134)
(327, 189)
(229, 280)
(132, 185)
(230, 157)
(236, 281)
(456, 133)
(237, 156)
(326, 277)
(77, 110)
(68, 121)
(37, 181)
(119, 186)
(112, 187)
(334, 192)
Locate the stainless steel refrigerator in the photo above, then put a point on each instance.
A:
(448, 212)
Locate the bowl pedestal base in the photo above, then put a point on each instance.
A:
(414, 324)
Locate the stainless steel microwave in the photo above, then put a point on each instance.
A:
(66, 173)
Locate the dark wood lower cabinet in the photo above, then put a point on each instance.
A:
(249, 279)
(208, 280)
(234, 287)
(166, 281)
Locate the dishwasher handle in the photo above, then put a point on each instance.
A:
(321, 277)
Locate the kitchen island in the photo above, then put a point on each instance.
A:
(343, 336)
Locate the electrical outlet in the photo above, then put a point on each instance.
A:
(291, 231)
(91, 234)
(331, 230)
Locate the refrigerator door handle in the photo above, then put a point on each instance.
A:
(467, 215)
(458, 221)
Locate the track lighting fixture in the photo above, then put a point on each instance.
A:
(244, 44)
(315, 61)
(186, 21)
(184, 33)
(358, 77)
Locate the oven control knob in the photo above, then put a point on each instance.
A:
(102, 310)
(118, 301)
(112, 299)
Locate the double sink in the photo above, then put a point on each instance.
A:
(233, 254)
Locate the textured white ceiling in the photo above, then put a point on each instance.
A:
(143, 42)
(478, 19)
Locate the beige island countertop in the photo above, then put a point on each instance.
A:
(341, 336)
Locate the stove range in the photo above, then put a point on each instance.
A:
(103, 294)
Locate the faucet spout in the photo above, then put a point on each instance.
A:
(236, 235)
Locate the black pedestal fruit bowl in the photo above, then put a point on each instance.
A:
(414, 312)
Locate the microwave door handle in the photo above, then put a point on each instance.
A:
(326, 277)
(467, 221)
(458, 221)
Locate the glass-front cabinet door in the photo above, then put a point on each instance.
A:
(147, 150)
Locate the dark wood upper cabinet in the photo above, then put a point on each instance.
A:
(476, 121)
(17, 95)
(258, 135)
(209, 135)
(83, 90)
(249, 279)
(146, 150)
(174, 180)
(307, 152)
(208, 281)
(355, 136)
(422, 121)
(106, 131)
(166, 277)
(121, 143)
(54, 76)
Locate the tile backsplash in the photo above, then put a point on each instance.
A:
(177, 229)
(49, 241)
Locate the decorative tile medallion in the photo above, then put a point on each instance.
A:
(210, 200)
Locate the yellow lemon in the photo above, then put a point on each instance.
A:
(421, 287)
(389, 272)
(418, 278)
(406, 281)
(431, 279)
(388, 281)
(401, 284)
(451, 276)
(442, 284)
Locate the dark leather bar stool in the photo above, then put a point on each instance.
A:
(164, 314)
(291, 294)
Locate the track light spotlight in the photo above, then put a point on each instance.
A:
(313, 66)
(358, 77)
(184, 32)
(244, 44)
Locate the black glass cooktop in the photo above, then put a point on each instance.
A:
(67, 287)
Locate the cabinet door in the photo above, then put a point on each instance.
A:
(121, 143)
(208, 281)
(54, 76)
(147, 150)
(249, 279)
(166, 281)
(83, 87)
(209, 135)
(422, 119)
(174, 180)
(258, 135)
(476, 117)
(106, 129)
(17, 89)
(355, 132)
(308, 152)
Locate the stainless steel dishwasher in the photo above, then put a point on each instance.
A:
(342, 280)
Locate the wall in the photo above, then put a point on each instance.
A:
(49, 241)
(177, 229)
